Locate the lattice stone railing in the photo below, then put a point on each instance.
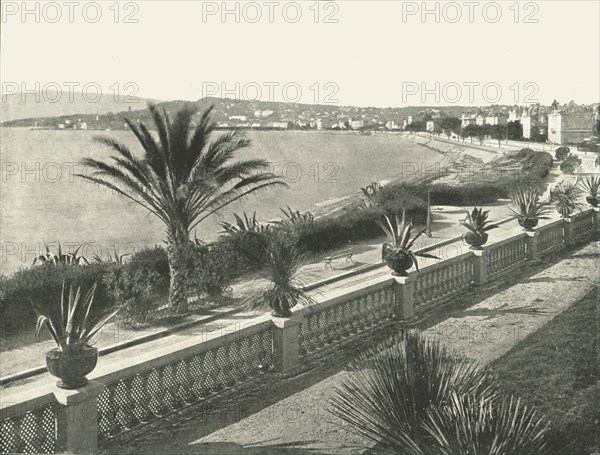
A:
(338, 318)
(439, 282)
(505, 255)
(551, 237)
(33, 431)
(582, 224)
(149, 394)
(135, 391)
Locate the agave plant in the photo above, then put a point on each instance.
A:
(295, 216)
(471, 425)
(396, 252)
(48, 257)
(478, 226)
(591, 185)
(391, 387)
(565, 197)
(114, 258)
(78, 321)
(528, 209)
(369, 193)
(245, 224)
(279, 261)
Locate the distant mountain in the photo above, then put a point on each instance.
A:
(55, 104)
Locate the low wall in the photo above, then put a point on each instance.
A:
(134, 392)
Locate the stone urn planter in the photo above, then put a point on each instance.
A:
(281, 312)
(399, 263)
(73, 357)
(593, 200)
(477, 225)
(72, 366)
(528, 223)
(475, 241)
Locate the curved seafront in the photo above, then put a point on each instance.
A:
(43, 201)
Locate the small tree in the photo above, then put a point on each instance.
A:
(499, 133)
(561, 153)
(570, 164)
(471, 131)
(515, 130)
(451, 125)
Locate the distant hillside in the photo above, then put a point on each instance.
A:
(230, 113)
(56, 104)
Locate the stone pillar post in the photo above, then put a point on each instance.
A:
(286, 342)
(569, 233)
(480, 275)
(532, 245)
(77, 418)
(405, 295)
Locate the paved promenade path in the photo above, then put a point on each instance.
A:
(289, 416)
(26, 353)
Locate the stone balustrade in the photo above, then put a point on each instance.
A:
(50, 420)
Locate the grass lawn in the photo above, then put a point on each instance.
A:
(557, 369)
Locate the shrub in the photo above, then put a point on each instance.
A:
(353, 224)
(210, 270)
(561, 153)
(391, 387)
(396, 197)
(534, 168)
(570, 164)
(153, 259)
(140, 285)
(227, 246)
(469, 194)
(279, 259)
(565, 197)
(42, 285)
(414, 396)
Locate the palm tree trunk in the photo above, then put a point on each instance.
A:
(177, 248)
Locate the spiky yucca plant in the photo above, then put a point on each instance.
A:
(183, 177)
(112, 258)
(478, 226)
(245, 224)
(369, 192)
(77, 322)
(476, 426)
(49, 257)
(397, 252)
(527, 207)
(591, 185)
(391, 387)
(295, 216)
(278, 260)
(565, 197)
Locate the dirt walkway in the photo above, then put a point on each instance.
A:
(290, 416)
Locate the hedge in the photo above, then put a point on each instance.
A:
(144, 280)
(43, 285)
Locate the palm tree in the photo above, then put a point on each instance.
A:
(182, 178)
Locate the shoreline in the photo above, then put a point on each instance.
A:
(459, 155)
(337, 205)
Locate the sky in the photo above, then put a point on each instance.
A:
(375, 53)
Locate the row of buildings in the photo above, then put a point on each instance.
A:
(567, 124)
